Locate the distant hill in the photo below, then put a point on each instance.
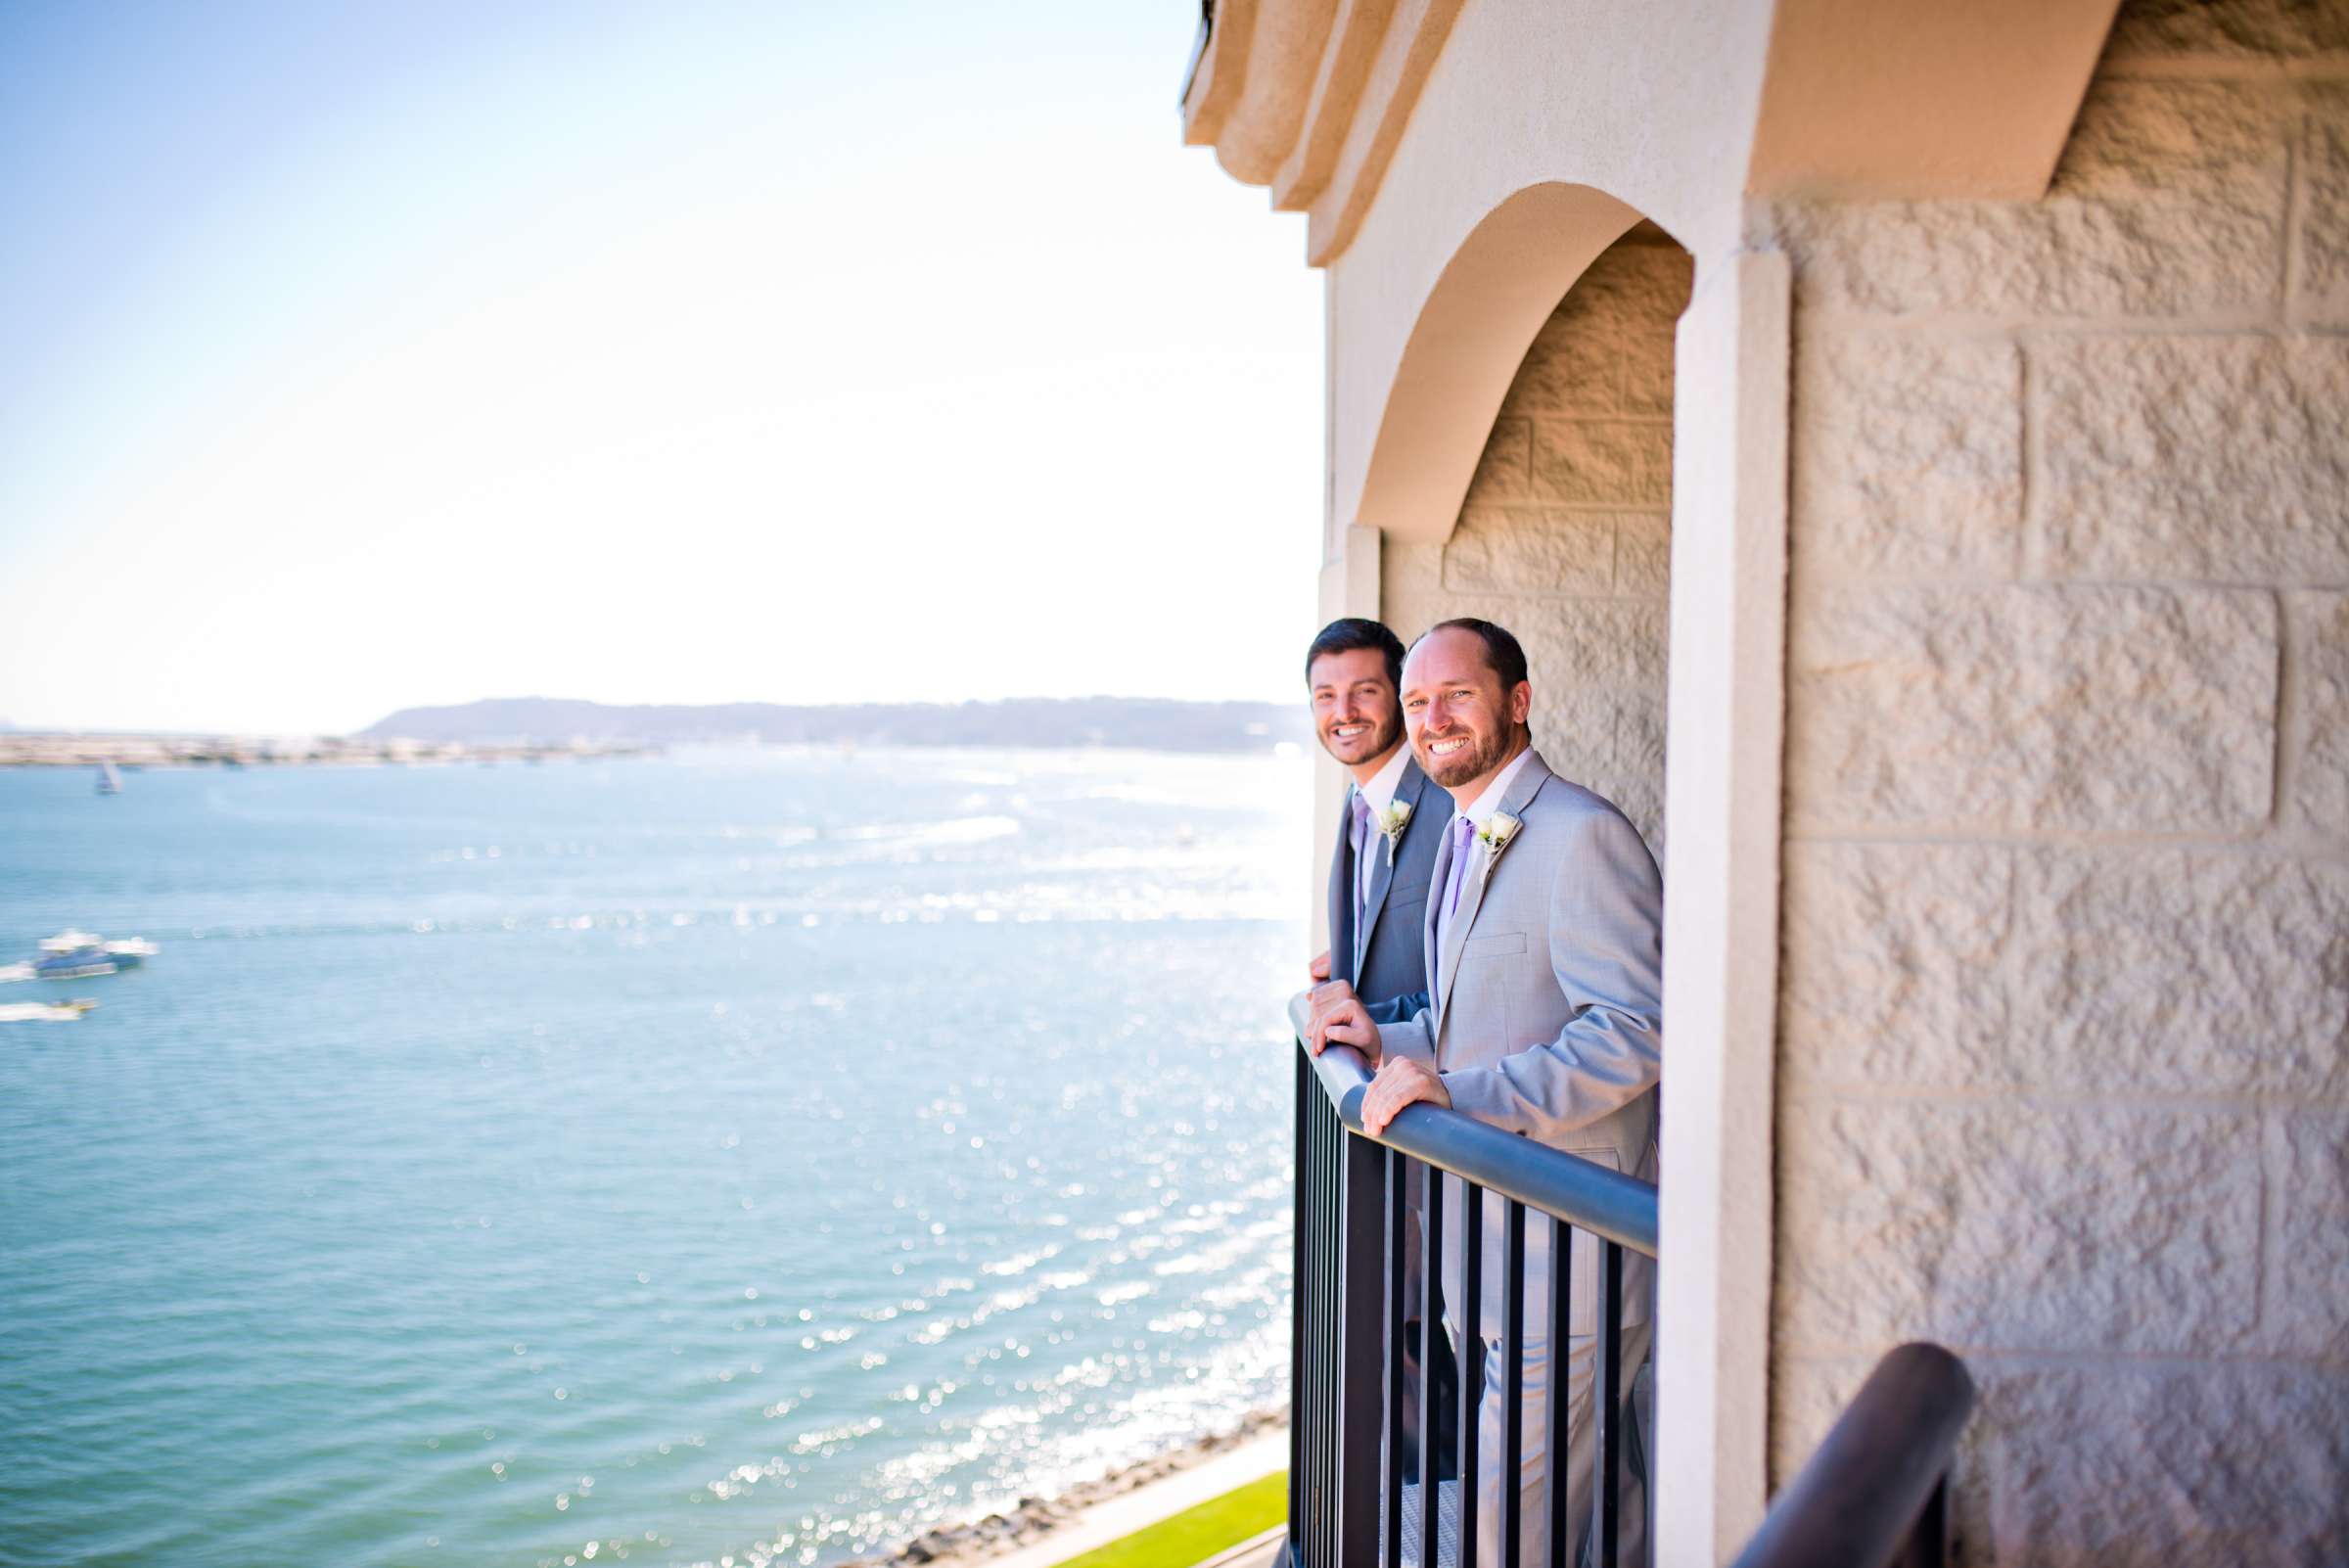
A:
(1127, 722)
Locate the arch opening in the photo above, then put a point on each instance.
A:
(1562, 528)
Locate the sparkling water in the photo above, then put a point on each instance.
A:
(756, 1155)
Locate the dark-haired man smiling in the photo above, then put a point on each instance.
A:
(1378, 876)
(1378, 871)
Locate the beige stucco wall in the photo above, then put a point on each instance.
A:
(1565, 535)
(2064, 1062)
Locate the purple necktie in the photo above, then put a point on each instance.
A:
(1463, 830)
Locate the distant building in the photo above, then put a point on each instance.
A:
(1927, 424)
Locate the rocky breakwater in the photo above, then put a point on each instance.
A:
(1036, 1518)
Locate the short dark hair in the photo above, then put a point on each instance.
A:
(1502, 651)
(1351, 632)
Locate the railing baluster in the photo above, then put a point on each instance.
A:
(1324, 1346)
(1472, 1352)
(1555, 1427)
(1355, 1402)
(1606, 1417)
(1300, 1390)
(1399, 1220)
(1431, 1215)
(1513, 1408)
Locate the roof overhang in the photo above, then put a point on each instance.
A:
(1871, 100)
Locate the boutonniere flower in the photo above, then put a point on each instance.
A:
(1495, 836)
(1390, 822)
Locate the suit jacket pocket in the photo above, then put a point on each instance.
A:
(1407, 907)
(1582, 1308)
(1495, 946)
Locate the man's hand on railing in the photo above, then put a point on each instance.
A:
(1323, 999)
(1405, 1080)
(1319, 967)
(1340, 1018)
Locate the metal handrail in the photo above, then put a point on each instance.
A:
(1617, 1207)
(1877, 1485)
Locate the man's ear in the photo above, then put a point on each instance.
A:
(1521, 701)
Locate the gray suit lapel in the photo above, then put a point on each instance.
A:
(1382, 869)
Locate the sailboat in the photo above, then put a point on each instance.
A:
(110, 779)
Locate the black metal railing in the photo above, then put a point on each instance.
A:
(1876, 1492)
(1350, 1502)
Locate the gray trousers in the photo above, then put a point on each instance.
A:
(1581, 1437)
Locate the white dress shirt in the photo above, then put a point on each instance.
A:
(1379, 796)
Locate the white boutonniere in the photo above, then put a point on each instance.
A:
(1495, 836)
(1391, 823)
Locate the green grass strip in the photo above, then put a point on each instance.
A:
(1195, 1535)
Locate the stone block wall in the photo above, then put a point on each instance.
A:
(1565, 535)
(2064, 1076)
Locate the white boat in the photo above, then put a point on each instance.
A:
(64, 1012)
(9, 972)
(110, 779)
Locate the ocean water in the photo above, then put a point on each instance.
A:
(753, 1156)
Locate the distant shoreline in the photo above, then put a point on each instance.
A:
(1137, 723)
(31, 749)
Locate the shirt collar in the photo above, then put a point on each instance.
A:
(1480, 810)
(1380, 791)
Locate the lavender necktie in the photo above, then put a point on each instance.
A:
(1362, 858)
(1463, 830)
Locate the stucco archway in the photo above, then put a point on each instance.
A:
(1467, 341)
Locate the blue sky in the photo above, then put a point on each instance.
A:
(363, 356)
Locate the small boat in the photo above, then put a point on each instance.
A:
(64, 1012)
(80, 964)
(80, 954)
(110, 779)
(9, 972)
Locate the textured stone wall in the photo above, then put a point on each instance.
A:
(2064, 1021)
(1565, 535)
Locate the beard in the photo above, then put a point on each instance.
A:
(1384, 733)
(1484, 753)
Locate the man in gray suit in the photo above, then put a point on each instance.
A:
(1378, 897)
(1545, 953)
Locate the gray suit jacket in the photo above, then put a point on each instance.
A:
(1546, 1017)
(1385, 960)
